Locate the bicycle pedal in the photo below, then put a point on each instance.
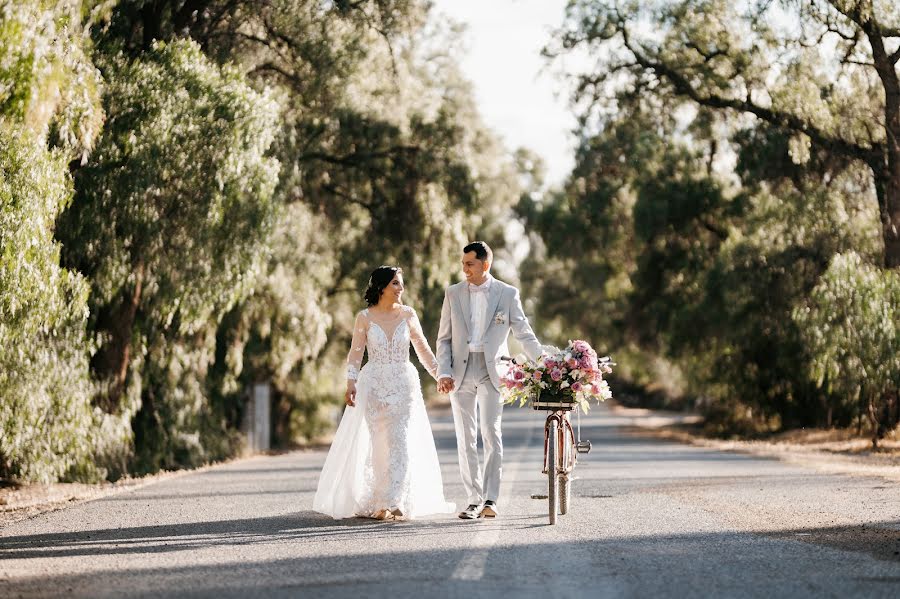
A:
(583, 447)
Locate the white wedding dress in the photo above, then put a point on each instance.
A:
(383, 454)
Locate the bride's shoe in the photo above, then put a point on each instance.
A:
(398, 514)
(383, 515)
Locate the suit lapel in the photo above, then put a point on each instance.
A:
(493, 299)
(465, 309)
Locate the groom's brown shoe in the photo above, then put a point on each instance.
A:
(489, 510)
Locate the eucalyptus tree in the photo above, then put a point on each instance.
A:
(851, 325)
(379, 151)
(693, 274)
(169, 223)
(824, 72)
(50, 114)
(386, 167)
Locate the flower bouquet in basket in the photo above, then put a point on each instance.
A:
(570, 375)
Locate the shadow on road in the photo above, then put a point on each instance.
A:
(670, 559)
(278, 529)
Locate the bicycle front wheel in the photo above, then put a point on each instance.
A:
(565, 493)
(552, 459)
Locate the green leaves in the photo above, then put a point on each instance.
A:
(851, 324)
(47, 425)
(238, 169)
(49, 96)
(171, 222)
(47, 81)
(180, 184)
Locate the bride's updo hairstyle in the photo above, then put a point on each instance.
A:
(378, 280)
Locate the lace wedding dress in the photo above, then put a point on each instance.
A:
(383, 454)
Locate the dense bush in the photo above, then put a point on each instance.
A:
(851, 325)
(48, 429)
(49, 114)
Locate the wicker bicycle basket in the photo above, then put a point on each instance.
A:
(543, 403)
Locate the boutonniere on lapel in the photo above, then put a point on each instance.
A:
(499, 318)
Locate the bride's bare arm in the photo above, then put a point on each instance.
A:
(420, 344)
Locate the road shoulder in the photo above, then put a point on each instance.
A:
(822, 450)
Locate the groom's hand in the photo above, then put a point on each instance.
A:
(445, 385)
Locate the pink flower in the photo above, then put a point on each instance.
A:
(520, 385)
(537, 375)
(556, 374)
(572, 363)
(576, 386)
(519, 375)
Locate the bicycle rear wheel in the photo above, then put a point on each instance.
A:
(552, 477)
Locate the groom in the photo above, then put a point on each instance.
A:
(476, 319)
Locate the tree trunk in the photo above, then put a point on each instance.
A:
(873, 420)
(888, 189)
(151, 20)
(889, 173)
(112, 361)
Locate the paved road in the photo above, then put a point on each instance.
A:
(650, 519)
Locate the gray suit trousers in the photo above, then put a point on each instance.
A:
(476, 389)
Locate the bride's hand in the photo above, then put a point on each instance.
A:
(350, 395)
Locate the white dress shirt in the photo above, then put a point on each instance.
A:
(478, 298)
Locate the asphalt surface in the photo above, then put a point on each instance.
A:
(648, 519)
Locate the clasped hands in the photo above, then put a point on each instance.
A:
(445, 385)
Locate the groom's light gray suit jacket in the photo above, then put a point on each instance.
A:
(504, 314)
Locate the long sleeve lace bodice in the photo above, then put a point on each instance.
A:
(357, 345)
(420, 344)
(387, 339)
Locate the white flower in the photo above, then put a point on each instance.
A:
(564, 384)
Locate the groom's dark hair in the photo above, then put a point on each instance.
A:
(482, 251)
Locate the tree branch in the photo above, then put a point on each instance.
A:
(271, 66)
(682, 86)
(357, 158)
(349, 197)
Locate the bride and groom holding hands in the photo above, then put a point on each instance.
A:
(383, 462)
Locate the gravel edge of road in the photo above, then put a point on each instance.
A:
(29, 500)
(831, 458)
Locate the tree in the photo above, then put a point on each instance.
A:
(49, 115)
(823, 72)
(850, 323)
(692, 272)
(170, 220)
(385, 168)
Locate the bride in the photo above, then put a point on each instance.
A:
(383, 463)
